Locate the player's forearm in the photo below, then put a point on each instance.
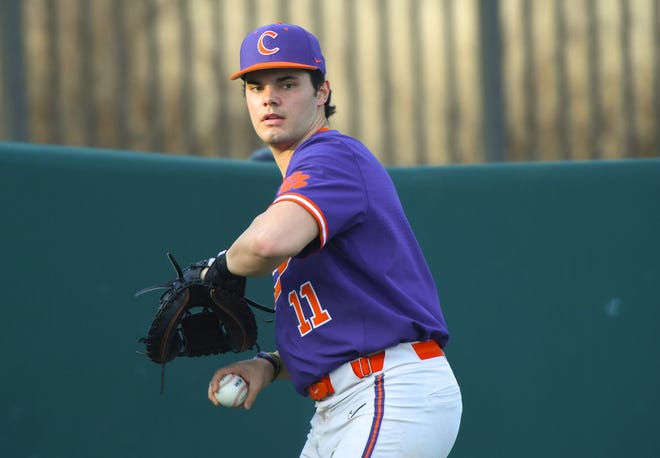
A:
(247, 265)
(279, 233)
(246, 259)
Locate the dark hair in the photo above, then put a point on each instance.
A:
(317, 80)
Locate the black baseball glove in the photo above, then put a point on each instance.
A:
(198, 317)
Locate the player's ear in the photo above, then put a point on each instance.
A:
(323, 93)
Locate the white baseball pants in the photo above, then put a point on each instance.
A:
(412, 408)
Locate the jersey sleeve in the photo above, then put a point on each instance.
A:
(325, 180)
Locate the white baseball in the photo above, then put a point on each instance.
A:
(233, 391)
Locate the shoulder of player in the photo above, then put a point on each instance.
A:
(328, 147)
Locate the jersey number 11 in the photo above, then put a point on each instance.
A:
(319, 317)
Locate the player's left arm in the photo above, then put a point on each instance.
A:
(282, 231)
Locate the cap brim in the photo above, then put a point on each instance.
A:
(270, 65)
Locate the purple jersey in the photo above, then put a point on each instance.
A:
(364, 284)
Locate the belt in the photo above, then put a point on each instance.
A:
(367, 365)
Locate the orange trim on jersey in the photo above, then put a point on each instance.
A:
(277, 288)
(312, 209)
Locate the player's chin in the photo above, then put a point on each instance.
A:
(270, 136)
(277, 142)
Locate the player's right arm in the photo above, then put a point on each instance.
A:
(282, 231)
(257, 373)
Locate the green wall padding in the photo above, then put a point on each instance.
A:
(549, 275)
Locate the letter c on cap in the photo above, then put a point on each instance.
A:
(260, 44)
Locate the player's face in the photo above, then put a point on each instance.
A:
(284, 107)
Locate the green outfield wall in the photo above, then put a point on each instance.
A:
(549, 275)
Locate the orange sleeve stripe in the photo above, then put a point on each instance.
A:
(312, 209)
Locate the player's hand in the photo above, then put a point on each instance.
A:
(257, 373)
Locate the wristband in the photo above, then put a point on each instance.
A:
(218, 274)
(273, 359)
(218, 266)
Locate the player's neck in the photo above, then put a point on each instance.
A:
(283, 157)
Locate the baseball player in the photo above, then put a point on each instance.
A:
(359, 328)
